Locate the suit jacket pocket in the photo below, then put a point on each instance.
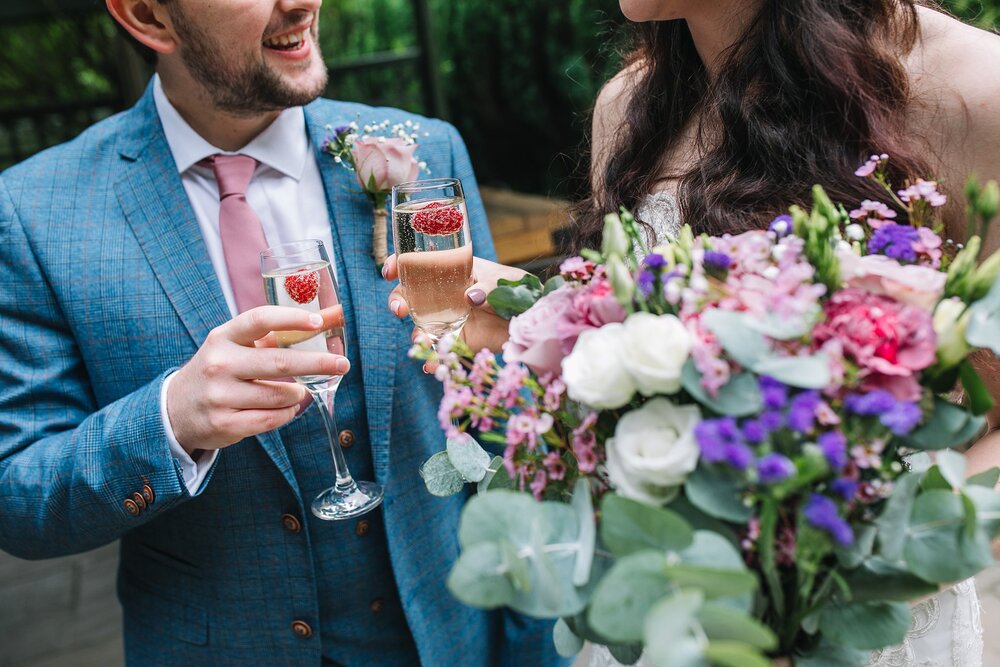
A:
(163, 615)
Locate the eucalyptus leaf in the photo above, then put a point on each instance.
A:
(583, 506)
(737, 398)
(468, 457)
(980, 400)
(512, 297)
(933, 480)
(895, 519)
(878, 579)
(495, 477)
(780, 327)
(713, 582)
(477, 578)
(716, 492)
(628, 526)
(725, 623)
(986, 478)
(552, 284)
(984, 321)
(947, 426)
(712, 550)
(987, 501)
(828, 654)
(746, 346)
(864, 542)
(626, 654)
(626, 593)
(951, 464)
(440, 475)
(566, 641)
(734, 654)
(934, 548)
(866, 625)
(668, 631)
(806, 372)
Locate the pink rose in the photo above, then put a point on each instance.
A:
(911, 284)
(890, 342)
(544, 334)
(387, 161)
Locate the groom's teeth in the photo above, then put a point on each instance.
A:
(286, 40)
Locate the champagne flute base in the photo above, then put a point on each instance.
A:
(337, 504)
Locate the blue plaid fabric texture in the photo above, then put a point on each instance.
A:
(107, 287)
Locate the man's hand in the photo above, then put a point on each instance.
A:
(484, 328)
(229, 389)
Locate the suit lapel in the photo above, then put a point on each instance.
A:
(364, 292)
(157, 208)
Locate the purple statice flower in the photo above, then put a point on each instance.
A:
(754, 431)
(869, 167)
(802, 412)
(644, 283)
(923, 191)
(342, 129)
(738, 455)
(716, 263)
(845, 487)
(822, 513)
(774, 393)
(895, 241)
(654, 261)
(902, 418)
(873, 403)
(781, 225)
(772, 420)
(833, 444)
(715, 436)
(775, 468)
(872, 211)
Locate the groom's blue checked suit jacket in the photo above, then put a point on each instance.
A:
(105, 286)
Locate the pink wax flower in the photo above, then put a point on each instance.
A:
(928, 248)
(874, 212)
(910, 284)
(923, 191)
(889, 341)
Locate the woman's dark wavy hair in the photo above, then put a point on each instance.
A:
(805, 96)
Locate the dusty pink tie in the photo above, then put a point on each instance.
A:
(240, 228)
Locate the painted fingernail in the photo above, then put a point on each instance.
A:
(476, 297)
(315, 319)
(425, 369)
(384, 269)
(394, 307)
(342, 366)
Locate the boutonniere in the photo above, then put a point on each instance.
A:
(380, 155)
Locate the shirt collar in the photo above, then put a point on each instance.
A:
(283, 146)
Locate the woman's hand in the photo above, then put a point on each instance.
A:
(484, 327)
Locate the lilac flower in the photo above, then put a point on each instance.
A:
(802, 412)
(869, 167)
(775, 468)
(822, 513)
(923, 191)
(902, 418)
(774, 393)
(833, 444)
(870, 209)
(872, 403)
(895, 241)
(781, 225)
(654, 261)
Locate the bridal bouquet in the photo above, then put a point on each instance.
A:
(729, 449)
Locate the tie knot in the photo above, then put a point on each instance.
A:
(232, 173)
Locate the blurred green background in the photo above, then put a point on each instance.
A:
(518, 76)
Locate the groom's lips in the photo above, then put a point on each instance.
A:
(294, 44)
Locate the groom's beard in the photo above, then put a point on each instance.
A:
(245, 89)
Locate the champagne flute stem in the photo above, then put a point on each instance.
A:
(325, 398)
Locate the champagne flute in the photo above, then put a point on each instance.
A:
(430, 229)
(299, 275)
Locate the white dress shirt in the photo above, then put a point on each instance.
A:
(286, 192)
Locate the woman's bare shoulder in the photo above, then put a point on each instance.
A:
(610, 109)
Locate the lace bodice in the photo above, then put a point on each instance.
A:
(946, 630)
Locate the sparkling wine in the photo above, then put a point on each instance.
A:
(308, 287)
(435, 262)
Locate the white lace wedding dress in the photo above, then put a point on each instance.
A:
(946, 630)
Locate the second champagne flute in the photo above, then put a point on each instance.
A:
(430, 229)
(299, 275)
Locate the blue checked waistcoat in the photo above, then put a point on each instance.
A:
(105, 287)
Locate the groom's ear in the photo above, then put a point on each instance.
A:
(147, 21)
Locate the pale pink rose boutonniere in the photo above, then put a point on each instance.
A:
(381, 155)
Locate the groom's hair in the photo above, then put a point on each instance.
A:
(810, 90)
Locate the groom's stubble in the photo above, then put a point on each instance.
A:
(243, 88)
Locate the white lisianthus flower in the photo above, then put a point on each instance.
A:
(656, 347)
(653, 451)
(951, 318)
(594, 371)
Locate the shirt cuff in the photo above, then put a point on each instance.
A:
(194, 472)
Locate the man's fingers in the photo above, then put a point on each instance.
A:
(259, 421)
(258, 395)
(256, 323)
(275, 363)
